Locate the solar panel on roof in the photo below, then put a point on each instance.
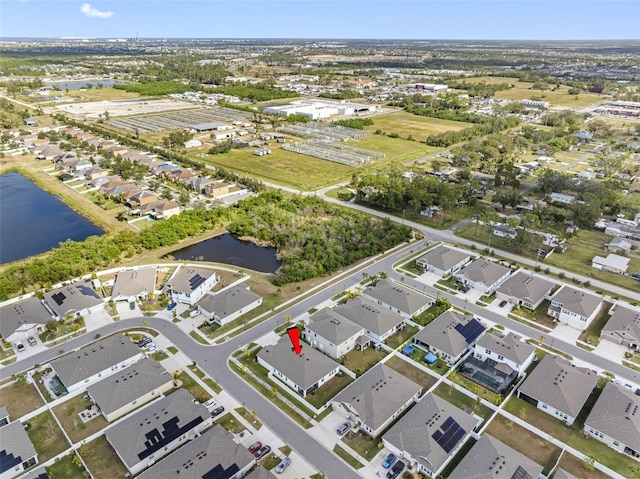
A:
(449, 436)
(471, 330)
(196, 281)
(59, 298)
(521, 474)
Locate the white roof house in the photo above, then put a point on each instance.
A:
(613, 263)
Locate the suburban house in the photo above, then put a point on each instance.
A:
(229, 304)
(217, 189)
(23, 319)
(613, 263)
(562, 474)
(574, 307)
(334, 334)
(304, 373)
(623, 328)
(509, 350)
(492, 458)
(94, 173)
(379, 323)
(504, 231)
(615, 420)
(260, 473)
(164, 209)
(398, 299)
(142, 198)
(525, 290)
(483, 275)
(78, 299)
(562, 198)
(151, 433)
(558, 388)
(88, 364)
(4, 416)
(127, 390)
(430, 434)
(16, 450)
(376, 398)
(198, 184)
(190, 284)
(449, 335)
(443, 260)
(134, 282)
(214, 454)
(617, 245)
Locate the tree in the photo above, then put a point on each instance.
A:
(588, 462)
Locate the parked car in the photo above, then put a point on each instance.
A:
(389, 460)
(18, 345)
(395, 470)
(171, 306)
(283, 464)
(151, 348)
(209, 403)
(466, 289)
(217, 411)
(194, 313)
(254, 447)
(344, 427)
(32, 341)
(144, 341)
(263, 451)
(503, 303)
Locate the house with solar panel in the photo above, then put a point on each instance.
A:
(190, 284)
(22, 319)
(130, 388)
(450, 335)
(430, 434)
(152, 432)
(213, 455)
(17, 453)
(615, 420)
(492, 458)
(558, 388)
(78, 299)
(376, 398)
(483, 275)
(96, 361)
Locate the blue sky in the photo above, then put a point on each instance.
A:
(417, 19)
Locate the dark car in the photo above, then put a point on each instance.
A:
(171, 306)
(466, 289)
(217, 411)
(263, 451)
(395, 470)
(503, 303)
(144, 341)
(388, 461)
(254, 447)
(344, 427)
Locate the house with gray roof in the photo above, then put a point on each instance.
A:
(304, 373)
(138, 282)
(213, 455)
(574, 307)
(558, 388)
(615, 420)
(78, 299)
(562, 474)
(525, 290)
(508, 350)
(430, 434)
(16, 450)
(444, 260)
(376, 398)
(190, 284)
(449, 335)
(23, 319)
(97, 360)
(229, 304)
(623, 328)
(397, 298)
(4, 416)
(483, 275)
(379, 322)
(156, 430)
(128, 389)
(493, 459)
(332, 333)
(260, 473)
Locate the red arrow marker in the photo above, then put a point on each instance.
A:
(294, 336)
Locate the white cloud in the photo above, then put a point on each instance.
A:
(91, 12)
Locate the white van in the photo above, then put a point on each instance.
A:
(194, 313)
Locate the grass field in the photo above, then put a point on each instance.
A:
(65, 469)
(101, 460)
(425, 380)
(20, 399)
(46, 436)
(420, 127)
(462, 401)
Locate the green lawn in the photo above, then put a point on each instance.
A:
(402, 336)
(324, 393)
(46, 436)
(249, 416)
(418, 376)
(362, 443)
(420, 127)
(101, 459)
(462, 401)
(349, 459)
(591, 335)
(361, 361)
(193, 387)
(65, 469)
(230, 423)
(208, 381)
(396, 150)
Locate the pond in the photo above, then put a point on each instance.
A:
(78, 84)
(33, 221)
(228, 249)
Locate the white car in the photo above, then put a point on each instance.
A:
(151, 348)
(209, 403)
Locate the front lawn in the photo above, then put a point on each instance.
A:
(362, 443)
(101, 459)
(230, 423)
(361, 361)
(46, 436)
(193, 387)
(591, 335)
(348, 458)
(328, 390)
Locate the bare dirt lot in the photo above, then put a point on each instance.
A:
(138, 106)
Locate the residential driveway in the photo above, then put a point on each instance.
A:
(299, 467)
(374, 468)
(565, 332)
(494, 307)
(125, 312)
(325, 432)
